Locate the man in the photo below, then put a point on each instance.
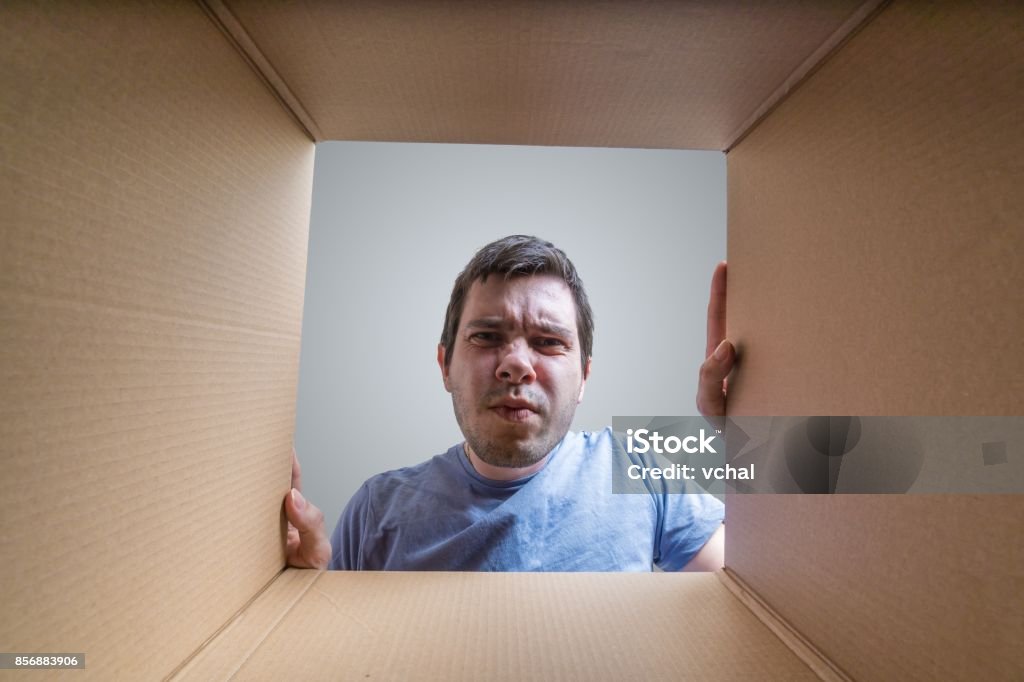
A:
(522, 492)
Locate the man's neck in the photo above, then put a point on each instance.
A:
(503, 473)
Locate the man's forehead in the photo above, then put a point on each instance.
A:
(537, 298)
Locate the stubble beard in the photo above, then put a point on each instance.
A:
(509, 451)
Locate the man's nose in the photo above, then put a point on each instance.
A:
(516, 365)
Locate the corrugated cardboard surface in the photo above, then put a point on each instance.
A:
(525, 626)
(582, 73)
(156, 202)
(899, 587)
(875, 225)
(224, 654)
(155, 209)
(874, 251)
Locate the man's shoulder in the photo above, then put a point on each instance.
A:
(407, 496)
(441, 465)
(405, 490)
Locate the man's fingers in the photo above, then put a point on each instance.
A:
(711, 386)
(719, 353)
(301, 514)
(307, 545)
(292, 541)
(716, 309)
(312, 548)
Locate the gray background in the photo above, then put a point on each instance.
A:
(393, 224)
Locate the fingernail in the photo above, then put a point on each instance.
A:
(722, 352)
(298, 500)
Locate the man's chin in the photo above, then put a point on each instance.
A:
(511, 460)
(509, 453)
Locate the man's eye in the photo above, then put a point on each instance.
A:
(486, 337)
(550, 343)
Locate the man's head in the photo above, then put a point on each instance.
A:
(515, 349)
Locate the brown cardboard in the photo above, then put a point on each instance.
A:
(221, 657)
(682, 75)
(525, 626)
(889, 587)
(861, 17)
(155, 207)
(237, 36)
(889, 186)
(801, 646)
(157, 170)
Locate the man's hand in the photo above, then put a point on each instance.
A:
(720, 356)
(307, 545)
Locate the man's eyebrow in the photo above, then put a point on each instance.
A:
(555, 329)
(499, 323)
(486, 323)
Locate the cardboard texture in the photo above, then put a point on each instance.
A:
(682, 75)
(525, 626)
(890, 587)
(156, 207)
(157, 171)
(890, 184)
(888, 180)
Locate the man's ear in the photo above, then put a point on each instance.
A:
(583, 384)
(444, 369)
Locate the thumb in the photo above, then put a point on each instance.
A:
(711, 386)
(304, 516)
(307, 546)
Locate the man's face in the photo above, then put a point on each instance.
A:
(515, 374)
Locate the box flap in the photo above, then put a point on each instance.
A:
(227, 651)
(514, 626)
(874, 269)
(875, 226)
(608, 74)
(155, 211)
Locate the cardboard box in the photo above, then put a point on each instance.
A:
(157, 170)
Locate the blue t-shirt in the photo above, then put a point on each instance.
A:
(443, 515)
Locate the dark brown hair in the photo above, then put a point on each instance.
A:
(519, 256)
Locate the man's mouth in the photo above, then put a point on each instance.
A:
(514, 410)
